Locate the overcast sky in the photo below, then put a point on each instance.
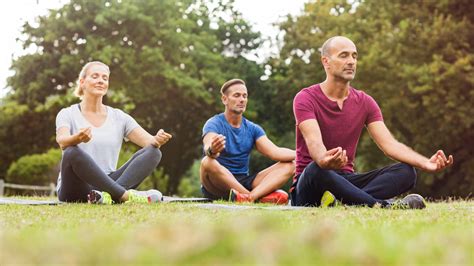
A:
(13, 13)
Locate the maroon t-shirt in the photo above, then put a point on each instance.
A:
(339, 128)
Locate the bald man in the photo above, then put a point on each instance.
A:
(330, 117)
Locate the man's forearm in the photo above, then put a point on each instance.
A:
(400, 152)
(317, 151)
(284, 155)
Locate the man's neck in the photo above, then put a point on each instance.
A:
(335, 89)
(233, 119)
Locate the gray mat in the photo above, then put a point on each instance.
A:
(28, 202)
(56, 202)
(176, 199)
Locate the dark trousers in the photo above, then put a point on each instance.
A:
(367, 189)
(80, 174)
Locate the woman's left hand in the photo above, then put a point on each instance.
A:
(161, 138)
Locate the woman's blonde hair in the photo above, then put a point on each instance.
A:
(79, 91)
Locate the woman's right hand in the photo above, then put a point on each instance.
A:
(84, 135)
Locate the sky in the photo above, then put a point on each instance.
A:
(14, 13)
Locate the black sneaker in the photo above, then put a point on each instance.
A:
(412, 201)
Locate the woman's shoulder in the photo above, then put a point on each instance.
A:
(68, 110)
(117, 113)
(114, 111)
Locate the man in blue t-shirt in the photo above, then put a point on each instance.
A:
(228, 139)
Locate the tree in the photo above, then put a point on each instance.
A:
(415, 59)
(167, 62)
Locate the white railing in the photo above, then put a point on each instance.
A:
(51, 188)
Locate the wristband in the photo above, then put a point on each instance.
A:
(209, 152)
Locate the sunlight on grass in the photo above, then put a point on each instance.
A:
(184, 234)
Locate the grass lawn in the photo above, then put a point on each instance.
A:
(173, 233)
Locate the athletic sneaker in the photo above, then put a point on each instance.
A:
(99, 197)
(149, 196)
(411, 201)
(236, 196)
(327, 200)
(276, 197)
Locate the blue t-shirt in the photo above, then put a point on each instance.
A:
(239, 142)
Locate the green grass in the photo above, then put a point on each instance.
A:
(81, 234)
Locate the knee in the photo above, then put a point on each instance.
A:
(208, 163)
(289, 167)
(313, 169)
(71, 152)
(154, 154)
(408, 175)
(316, 173)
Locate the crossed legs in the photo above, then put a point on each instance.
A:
(218, 180)
(351, 188)
(80, 174)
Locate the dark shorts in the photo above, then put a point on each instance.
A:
(245, 180)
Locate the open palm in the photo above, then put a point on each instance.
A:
(438, 162)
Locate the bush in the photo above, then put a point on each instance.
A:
(190, 186)
(35, 169)
(157, 180)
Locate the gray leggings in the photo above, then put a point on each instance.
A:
(80, 174)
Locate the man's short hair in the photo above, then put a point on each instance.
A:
(229, 83)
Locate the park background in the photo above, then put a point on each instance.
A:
(168, 60)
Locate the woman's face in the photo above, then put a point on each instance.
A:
(96, 81)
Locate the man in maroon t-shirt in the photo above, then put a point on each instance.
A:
(329, 118)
